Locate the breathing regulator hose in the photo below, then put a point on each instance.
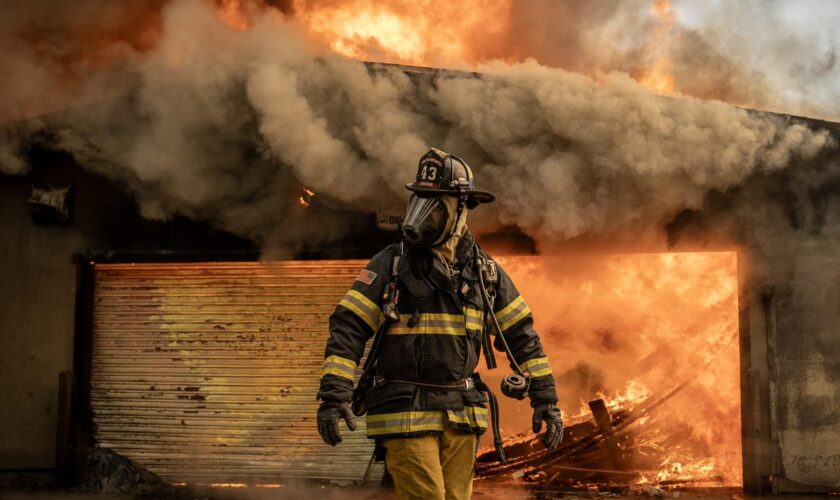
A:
(486, 299)
(513, 386)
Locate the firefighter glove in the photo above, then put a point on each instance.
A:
(550, 414)
(329, 414)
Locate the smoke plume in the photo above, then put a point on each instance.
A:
(226, 125)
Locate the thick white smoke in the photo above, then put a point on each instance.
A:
(227, 125)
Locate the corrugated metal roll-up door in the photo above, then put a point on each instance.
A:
(207, 372)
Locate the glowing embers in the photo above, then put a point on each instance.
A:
(655, 337)
(306, 196)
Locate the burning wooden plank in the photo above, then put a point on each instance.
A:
(629, 446)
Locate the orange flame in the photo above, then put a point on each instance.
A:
(631, 328)
(233, 13)
(659, 77)
(419, 32)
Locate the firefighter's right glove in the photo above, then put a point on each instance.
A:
(329, 414)
(550, 414)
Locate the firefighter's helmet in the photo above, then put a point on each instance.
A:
(440, 173)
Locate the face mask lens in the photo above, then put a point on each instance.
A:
(425, 220)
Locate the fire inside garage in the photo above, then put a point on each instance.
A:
(179, 227)
(204, 373)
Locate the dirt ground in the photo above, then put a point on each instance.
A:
(483, 490)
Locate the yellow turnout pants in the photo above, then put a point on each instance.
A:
(432, 467)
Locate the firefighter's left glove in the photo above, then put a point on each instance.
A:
(329, 414)
(550, 414)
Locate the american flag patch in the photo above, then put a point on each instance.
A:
(366, 276)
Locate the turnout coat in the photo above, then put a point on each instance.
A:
(437, 340)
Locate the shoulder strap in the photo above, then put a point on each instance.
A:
(366, 378)
(489, 272)
(377, 336)
(395, 261)
(480, 263)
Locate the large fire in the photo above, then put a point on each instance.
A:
(420, 32)
(425, 33)
(633, 329)
(440, 34)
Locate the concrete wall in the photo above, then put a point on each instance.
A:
(808, 369)
(37, 292)
(35, 345)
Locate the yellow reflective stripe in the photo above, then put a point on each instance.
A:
(473, 317)
(512, 321)
(537, 367)
(404, 422)
(360, 313)
(403, 415)
(340, 367)
(430, 324)
(474, 325)
(474, 313)
(363, 307)
(331, 370)
(535, 361)
(455, 318)
(421, 330)
(364, 300)
(474, 416)
(513, 312)
(541, 372)
(509, 308)
(399, 429)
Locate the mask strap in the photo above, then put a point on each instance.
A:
(462, 202)
(462, 197)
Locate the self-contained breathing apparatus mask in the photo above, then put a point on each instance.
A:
(429, 220)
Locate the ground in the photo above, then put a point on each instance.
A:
(483, 490)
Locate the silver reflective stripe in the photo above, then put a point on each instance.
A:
(512, 313)
(339, 367)
(473, 416)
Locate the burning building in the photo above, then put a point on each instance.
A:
(677, 253)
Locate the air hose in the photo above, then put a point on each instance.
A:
(514, 385)
(482, 264)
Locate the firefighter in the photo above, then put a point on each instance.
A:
(431, 304)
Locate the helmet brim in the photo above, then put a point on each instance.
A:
(476, 196)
